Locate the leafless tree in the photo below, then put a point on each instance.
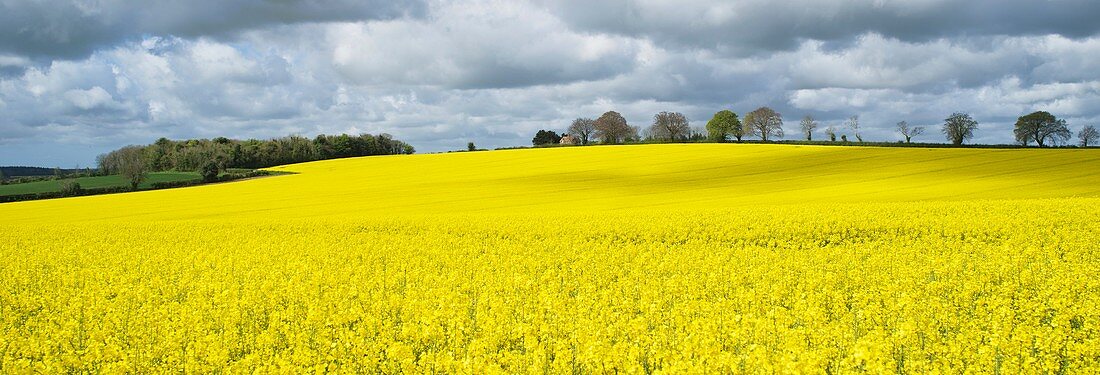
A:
(612, 128)
(583, 128)
(1088, 135)
(959, 127)
(909, 131)
(853, 123)
(670, 126)
(830, 131)
(808, 124)
(632, 134)
(764, 122)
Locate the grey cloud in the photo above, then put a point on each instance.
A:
(70, 29)
(760, 26)
(493, 72)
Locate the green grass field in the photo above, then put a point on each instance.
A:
(95, 182)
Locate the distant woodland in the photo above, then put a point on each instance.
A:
(210, 157)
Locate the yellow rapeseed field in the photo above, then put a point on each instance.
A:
(713, 258)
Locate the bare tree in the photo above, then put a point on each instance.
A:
(105, 162)
(1041, 127)
(959, 127)
(1088, 135)
(612, 128)
(808, 124)
(853, 123)
(764, 122)
(129, 162)
(583, 128)
(633, 134)
(670, 126)
(909, 131)
(830, 131)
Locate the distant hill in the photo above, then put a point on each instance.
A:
(10, 172)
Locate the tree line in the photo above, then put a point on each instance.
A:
(612, 128)
(210, 157)
(21, 174)
(764, 123)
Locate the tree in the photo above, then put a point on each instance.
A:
(853, 123)
(633, 134)
(210, 171)
(831, 132)
(158, 154)
(724, 124)
(738, 129)
(471, 147)
(545, 137)
(612, 128)
(130, 163)
(764, 122)
(698, 134)
(670, 126)
(909, 131)
(959, 127)
(1088, 135)
(808, 124)
(1041, 126)
(105, 162)
(583, 128)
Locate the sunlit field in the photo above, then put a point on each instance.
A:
(703, 258)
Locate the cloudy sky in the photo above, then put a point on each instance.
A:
(78, 78)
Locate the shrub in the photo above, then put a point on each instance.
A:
(70, 188)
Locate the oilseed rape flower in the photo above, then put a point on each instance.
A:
(647, 259)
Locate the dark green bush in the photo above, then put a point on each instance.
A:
(210, 171)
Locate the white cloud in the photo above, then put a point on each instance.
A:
(13, 61)
(89, 99)
(476, 44)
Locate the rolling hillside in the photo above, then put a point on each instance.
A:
(629, 259)
(606, 178)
